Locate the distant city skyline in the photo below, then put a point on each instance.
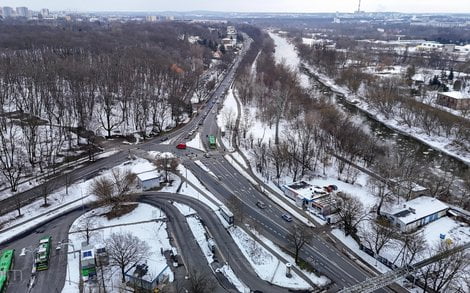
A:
(290, 6)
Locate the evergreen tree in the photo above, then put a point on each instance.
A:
(451, 74)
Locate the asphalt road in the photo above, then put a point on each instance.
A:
(225, 243)
(189, 250)
(53, 279)
(322, 254)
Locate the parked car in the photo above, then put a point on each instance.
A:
(287, 217)
(261, 204)
(181, 146)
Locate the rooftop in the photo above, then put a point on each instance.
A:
(418, 208)
(307, 190)
(148, 175)
(455, 94)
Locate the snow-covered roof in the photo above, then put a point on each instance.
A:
(418, 208)
(148, 175)
(418, 77)
(307, 190)
(455, 94)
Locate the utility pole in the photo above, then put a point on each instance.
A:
(359, 7)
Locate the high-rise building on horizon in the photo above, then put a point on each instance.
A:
(22, 11)
(8, 12)
(45, 12)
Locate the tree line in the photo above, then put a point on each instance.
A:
(63, 85)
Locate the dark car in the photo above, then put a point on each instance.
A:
(165, 138)
(261, 205)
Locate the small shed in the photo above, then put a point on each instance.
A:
(149, 180)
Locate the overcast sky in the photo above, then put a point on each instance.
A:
(411, 6)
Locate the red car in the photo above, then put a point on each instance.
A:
(181, 146)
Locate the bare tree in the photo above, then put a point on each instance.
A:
(87, 226)
(298, 237)
(378, 234)
(442, 274)
(45, 192)
(112, 190)
(167, 163)
(12, 161)
(125, 249)
(413, 245)
(103, 188)
(379, 188)
(351, 212)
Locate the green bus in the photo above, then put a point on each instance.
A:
(212, 144)
(6, 264)
(43, 253)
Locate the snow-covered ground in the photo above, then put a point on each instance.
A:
(440, 143)
(286, 53)
(153, 233)
(208, 198)
(196, 142)
(266, 265)
(60, 202)
(227, 118)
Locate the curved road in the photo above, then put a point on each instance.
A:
(224, 241)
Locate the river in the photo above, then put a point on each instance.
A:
(440, 162)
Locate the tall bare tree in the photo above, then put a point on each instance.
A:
(351, 212)
(125, 249)
(299, 236)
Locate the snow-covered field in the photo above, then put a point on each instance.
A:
(153, 233)
(285, 54)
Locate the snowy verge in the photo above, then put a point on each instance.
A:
(196, 143)
(200, 233)
(204, 167)
(268, 266)
(230, 275)
(190, 189)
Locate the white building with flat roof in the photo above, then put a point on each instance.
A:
(149, 180)
(416, 213)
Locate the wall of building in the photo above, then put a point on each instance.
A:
(149, 184)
